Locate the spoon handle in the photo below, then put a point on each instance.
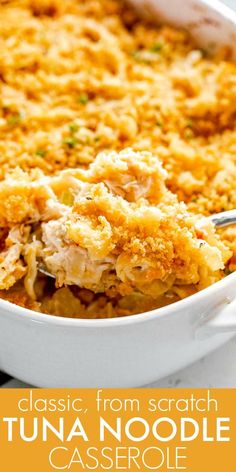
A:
(225, 218)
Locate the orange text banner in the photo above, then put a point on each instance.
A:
(117, 429)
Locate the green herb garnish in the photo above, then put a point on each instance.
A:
(73, 127)
(157, 47)
(15, 119)
(189, 124)
(70, 142)
(41, 152)
(227, 271)
(83, 98)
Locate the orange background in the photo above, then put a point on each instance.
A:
(33, 456)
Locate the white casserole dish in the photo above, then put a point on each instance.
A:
(49, 351)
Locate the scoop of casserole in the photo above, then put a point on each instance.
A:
(112, 228)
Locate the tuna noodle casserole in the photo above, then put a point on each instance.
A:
(117, 140)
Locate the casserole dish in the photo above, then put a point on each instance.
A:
(61, 352)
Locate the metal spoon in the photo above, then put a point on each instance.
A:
(225, 218)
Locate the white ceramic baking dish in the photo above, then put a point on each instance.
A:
(132, 351)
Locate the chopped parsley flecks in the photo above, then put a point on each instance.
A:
(41, 152)
(189, 124)
(83, 98)
(194, 199)
(15, 119)
(73, 127)
(156, 47)
(71, 142)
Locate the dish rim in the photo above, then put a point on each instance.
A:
(8, 308)
(20, 313)
(222, 8)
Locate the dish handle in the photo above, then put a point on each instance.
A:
(222, 320)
